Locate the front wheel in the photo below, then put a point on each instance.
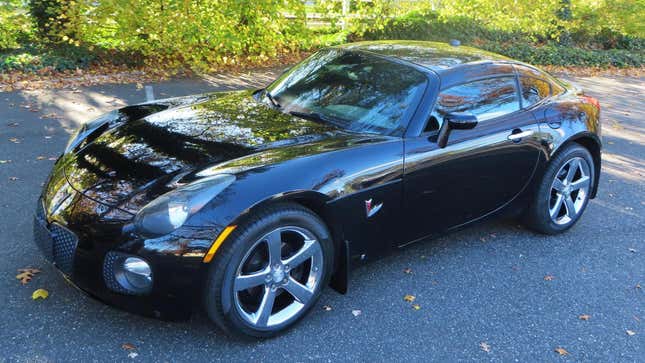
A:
(564, 191)
(270, 272)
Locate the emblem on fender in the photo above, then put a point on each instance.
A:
(370, 209)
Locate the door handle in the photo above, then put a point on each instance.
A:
(517, 136)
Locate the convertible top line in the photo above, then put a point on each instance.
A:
(248, 203)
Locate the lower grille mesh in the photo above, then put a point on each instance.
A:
(57, 243)
(64, 247)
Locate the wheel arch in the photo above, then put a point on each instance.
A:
(592, 143)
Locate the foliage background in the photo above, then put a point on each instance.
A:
(204, 35)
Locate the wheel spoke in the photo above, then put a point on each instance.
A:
(298, 290)
(558, 205)
(309, 248)
(558, 185)
(580, 183)
(274, 241)
(568, 203)
(574, 165)
(244, 282)
(266, 306)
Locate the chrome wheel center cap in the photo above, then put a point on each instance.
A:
(277, 275)
(567, 190)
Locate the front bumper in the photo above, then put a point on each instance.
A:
(79, 251)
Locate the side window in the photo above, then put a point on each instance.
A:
(533, 90)
(486, 99)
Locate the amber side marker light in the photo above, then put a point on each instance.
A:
(218, 242)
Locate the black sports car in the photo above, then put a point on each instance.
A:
(249, 203)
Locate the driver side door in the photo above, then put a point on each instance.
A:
(479, 170)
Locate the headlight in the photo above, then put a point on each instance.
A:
(171, 210)
(86, 129)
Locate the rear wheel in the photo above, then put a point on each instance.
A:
(270, 272)
(564, 191)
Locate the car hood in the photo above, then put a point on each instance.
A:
(156, 145)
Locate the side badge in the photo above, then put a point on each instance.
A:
(370, 209)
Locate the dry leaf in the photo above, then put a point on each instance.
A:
(630, 332)
(326, 307)
(133, 355)
(584, 317)
(561, 351)
(25, 274)
(484, 346)
(139, 86)
(40, 157)
(5, 161)
(416, 306)
(632, 250)
(14, 140)
(409, 298)
(638, 285)
(13, 178)
(356, 312)
(407, 270)
(128, 346)
(549, 278)
(40, 294)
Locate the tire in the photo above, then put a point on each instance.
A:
(551, 212)
(245, 274)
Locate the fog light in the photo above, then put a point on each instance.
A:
(127, 274)
(138, 273)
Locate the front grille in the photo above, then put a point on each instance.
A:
(57, 243)
(64, 247)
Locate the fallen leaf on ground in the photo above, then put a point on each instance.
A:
(484, 346)
(25, 274)
(139, 86)
(409, 298)
(632, 250)
(407, 270)
(14, 140)
(584, 317)
(52, 158)
(128, 346)
(326, 307)
(13, 178)
(630, 332)
(5, 161)
(40, 294)
(40, 157)
(13, 124)
(549, 278)
(356, 312)
(561, 351)
(133, 355)
(416, 306)
(638, 286)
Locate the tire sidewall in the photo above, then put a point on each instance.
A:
(240, 245)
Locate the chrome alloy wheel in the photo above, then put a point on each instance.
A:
(569, 190)
(278, 276)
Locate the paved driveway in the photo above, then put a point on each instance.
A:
(481, 287)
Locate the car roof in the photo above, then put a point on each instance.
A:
(438, 57)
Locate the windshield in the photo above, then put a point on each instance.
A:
(352, 90)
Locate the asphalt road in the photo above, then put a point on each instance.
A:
(481, 287)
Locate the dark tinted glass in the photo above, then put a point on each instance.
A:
(533, 90)
(356, 91)
(486, 99)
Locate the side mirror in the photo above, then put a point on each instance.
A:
(455, 121)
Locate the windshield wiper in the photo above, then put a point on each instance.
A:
(315, 116)
(273, 101)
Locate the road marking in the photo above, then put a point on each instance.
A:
(150, 95)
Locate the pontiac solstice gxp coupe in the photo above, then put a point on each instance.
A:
(248, 203)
